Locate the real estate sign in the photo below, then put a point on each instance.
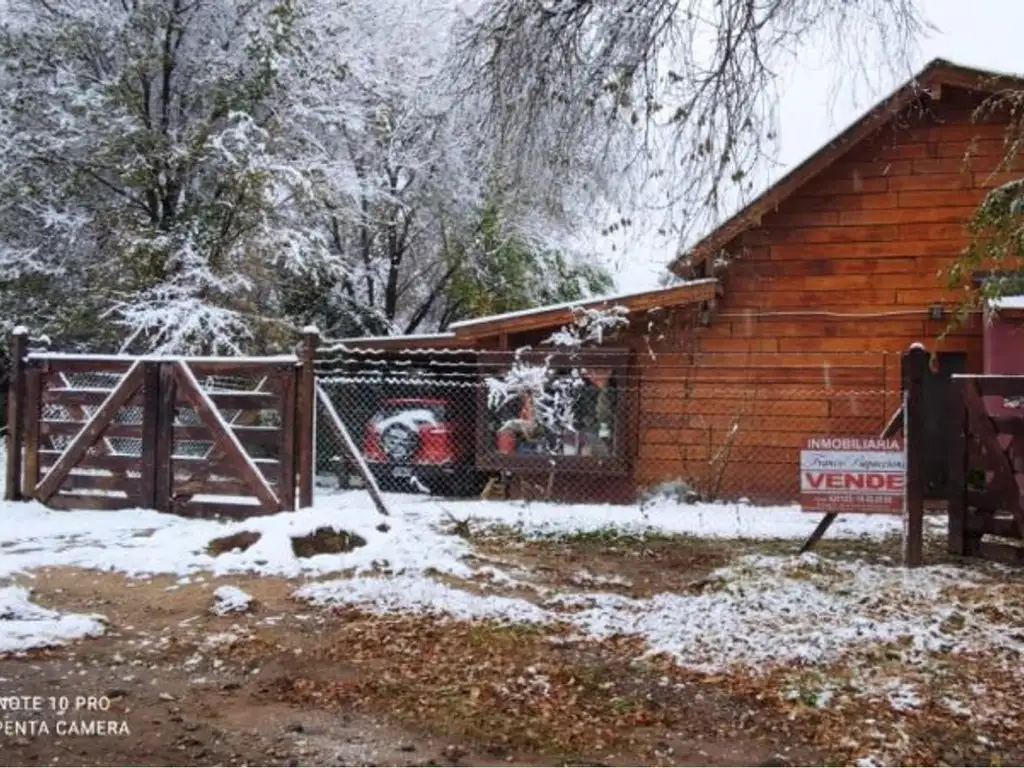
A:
(853, 474)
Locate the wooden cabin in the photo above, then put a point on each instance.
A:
(795, 312)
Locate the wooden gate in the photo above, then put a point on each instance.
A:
(201, 437)
(986, 468)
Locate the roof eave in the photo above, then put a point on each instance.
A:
(672, 296)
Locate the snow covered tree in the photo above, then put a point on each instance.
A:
(205, 175)
(498, 271)
(161, 159)
(430, 234)
(677, 98)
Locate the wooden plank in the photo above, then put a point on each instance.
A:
(942, 197)
(876, 343)
(75, 482)
(33, 387)
(675, 451)
(90, 433)
(1009, 425)
(1007, 554)
(906, 216)
(958, 495)
(150, 434)
(286, 434)
(269, 468)
(909, 279)
(948, 165)
(354, 454)
(83, 364)
(211, 487)
(88, 501)
(243, 400)
(243, 367)
(949, 231)
(814, 201)
(225, 439)
(305, 417)
(111, 462)
(981, 524)
(894, 426)
(926, 296)
(263, 437)
(992, 452)
(49, 428)
(914, 418)
(1002, 386)
(819, 531)
(80, 396)
(215, 510)
(858, 250)
(983, 501)
(16, 417)
(786, 329)
(163, 459)
(755, 403)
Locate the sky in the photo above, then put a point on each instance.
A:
(980, 33)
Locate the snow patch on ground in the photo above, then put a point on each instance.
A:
(663, 516)
(228, 599)
(405, 594)
(759, 612)
(140, 542)
(25, 625)
(143, 542)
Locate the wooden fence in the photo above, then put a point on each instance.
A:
(202, 437)
(986, 468)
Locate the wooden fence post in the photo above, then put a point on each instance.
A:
(957, 502)
(305, 416)
(16, 414)
(166, 396)
(915, 368)
(150, 433)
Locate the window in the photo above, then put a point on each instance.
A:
(554, 410)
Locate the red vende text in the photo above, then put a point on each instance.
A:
(849, 481)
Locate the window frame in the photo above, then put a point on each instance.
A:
(620, 463)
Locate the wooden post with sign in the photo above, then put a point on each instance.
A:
(915, 368)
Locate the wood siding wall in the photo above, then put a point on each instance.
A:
(818, 304)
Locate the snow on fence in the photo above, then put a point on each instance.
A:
(200, 436)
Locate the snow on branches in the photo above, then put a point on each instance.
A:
(589, 326)
(191, 176)
(550, 396)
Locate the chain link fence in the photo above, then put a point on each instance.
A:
(598, 428)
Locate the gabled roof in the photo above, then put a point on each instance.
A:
(554, 315)
(928, 81)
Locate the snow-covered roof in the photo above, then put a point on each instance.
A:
(405, 337)
(464, 334)
(1007, 302)
(673, 295)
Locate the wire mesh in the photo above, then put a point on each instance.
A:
(590, 429)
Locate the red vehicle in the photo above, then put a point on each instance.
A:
(418, 441)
